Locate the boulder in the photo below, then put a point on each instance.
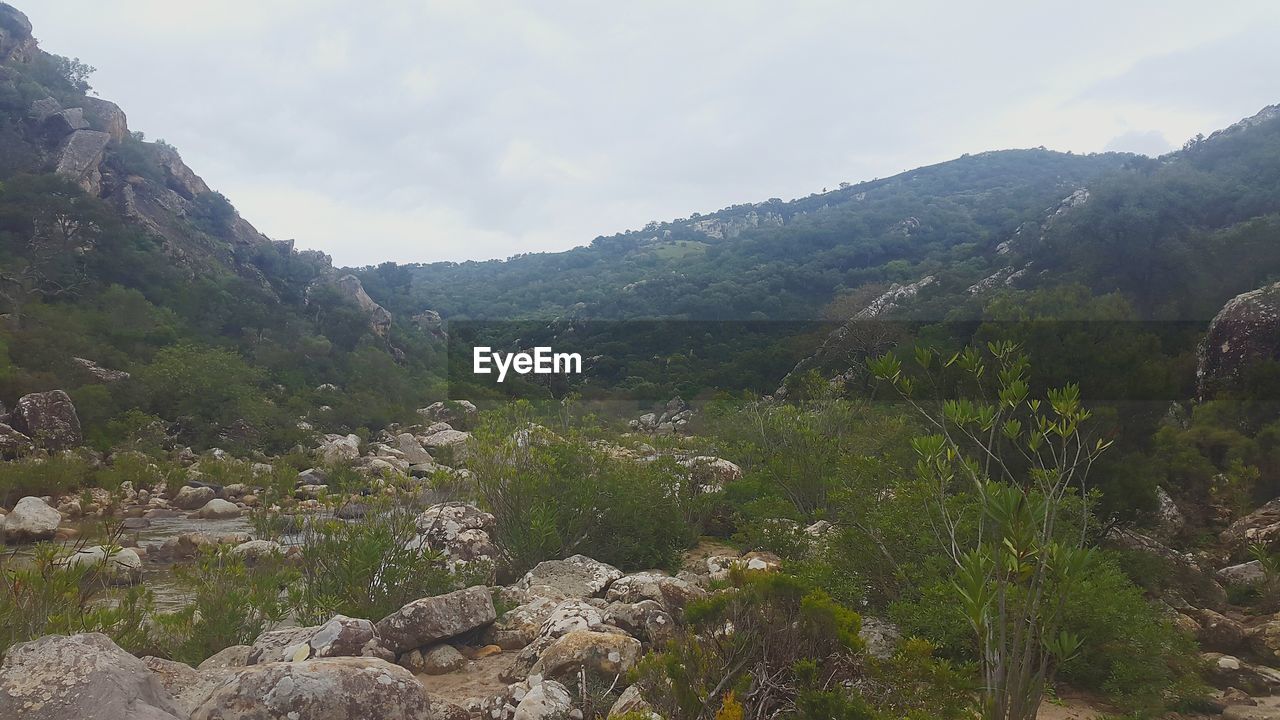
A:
(379, 318)
(601, 652)
(547, 700)
(1263, 641)
(343, 688)
(631, 701)
(218, 509)
(1223, 671)
(13, 444)
(236, 656)
(340, 637)
(122, 567)
(57, 677)
(520, 626)
(192, 498)
(711, 474)
(1245, 331)
(432, 619)
(48, 418)
(646, 620)
(1218, 632)
(458, 531)
(312, 476)
(31, 520)
(338, 449)
(258, 549)
(457, 413)
(99, 373)
(1249, 574)
(450, 444)
(577, 576)
(881, 637)
(412, 450)
(1262, 526)
(188, 686)
(670, 592)
(441, 659)
(105, 116)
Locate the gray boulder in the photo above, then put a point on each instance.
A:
(32, 520)
(192, 498)
(121, 567)
(48, 418)
(340, 637)
(1246, 330)
(80, 677)
(80, 156)
(188, 686)
(218, 509)
(343, 688)
(576, 576)
(432, 619)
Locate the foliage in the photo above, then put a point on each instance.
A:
(1022, 464)
(367, 568)
(41, 596)
(781, 631)
(233, 603)
(553, 497)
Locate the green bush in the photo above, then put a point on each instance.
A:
(232, 604)
(40, 596)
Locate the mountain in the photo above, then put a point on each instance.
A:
(114, 254)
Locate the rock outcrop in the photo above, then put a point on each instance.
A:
(379, 318)
(1245, 331)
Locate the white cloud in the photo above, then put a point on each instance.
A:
(445, 130)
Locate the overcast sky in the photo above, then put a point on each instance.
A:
(422, 131)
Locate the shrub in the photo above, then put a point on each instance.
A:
(780, 626)
(233, 603)
(365, 568)
(42, 597)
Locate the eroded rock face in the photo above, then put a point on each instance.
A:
(379, 318)
(430, 620)
(577, 576)
(57, 677)
(345, 688)
(48, 418)
(1245, 331)
(32, 520)
(80, 156)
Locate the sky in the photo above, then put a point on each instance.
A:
(420, 131)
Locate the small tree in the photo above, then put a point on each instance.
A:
(1027, 464)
